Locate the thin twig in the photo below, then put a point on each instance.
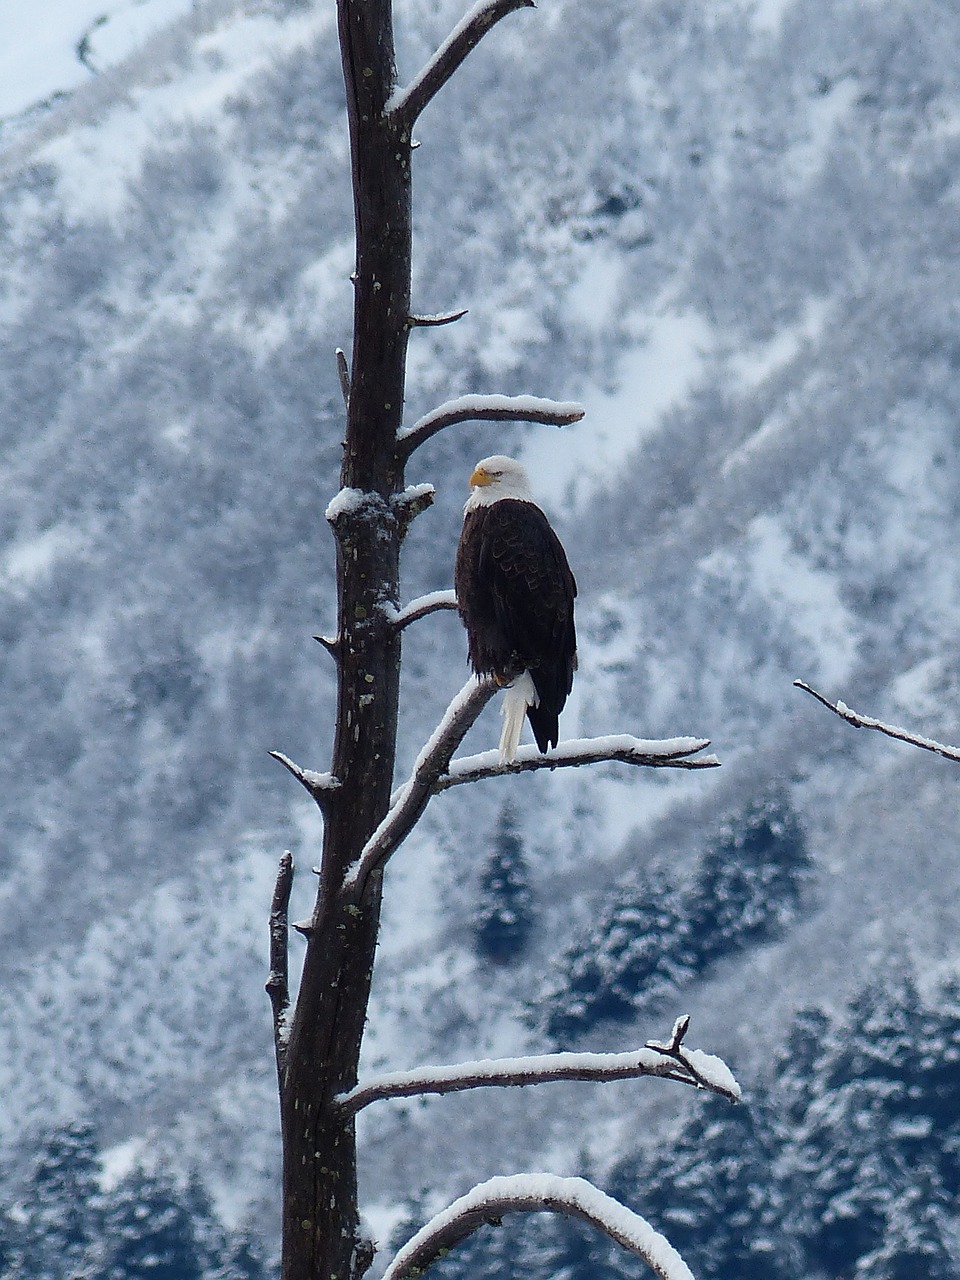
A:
(406, 104)
(892, 731)
(488, 408)
(670, 754)
(277, 986)
(536, 1193)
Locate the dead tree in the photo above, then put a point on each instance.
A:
(318, 1034)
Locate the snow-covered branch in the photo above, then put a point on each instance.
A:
(410, 800)
(705, 1069)
(668, 753)
(318, 784)
(671, 1062)
(891, 730)
(433, 602)
(494, 408)
(439, 318)
(537, 1193)
(278, 987)
(435, 770)
(406, 104)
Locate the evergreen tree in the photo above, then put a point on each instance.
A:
(638, 949)
(749, 882)
(58, 1218)
(862, 1150)
(504, 916)
(153, 1230)
(713, 1193)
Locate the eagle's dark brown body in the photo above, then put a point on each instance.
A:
(515, 593)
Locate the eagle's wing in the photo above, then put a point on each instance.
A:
(532, 587)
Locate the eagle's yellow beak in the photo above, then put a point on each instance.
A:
(480, 477)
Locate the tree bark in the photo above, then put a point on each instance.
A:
(320, 1217)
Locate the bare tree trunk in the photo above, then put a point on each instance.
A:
(320, 1216)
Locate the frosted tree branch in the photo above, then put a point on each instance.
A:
(670, 753)
(432, 321)
(537, 1193)
(493, 408)
(410, 800)
(892, 731)
(406, 104)
(433, 602)
(435, 770)
(278, 986)
(670, 1062)
(706, 1070)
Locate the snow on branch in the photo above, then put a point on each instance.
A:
(435, 770)
(705, 1069)
(318, 784)
(669, 753)
(433, 321)
(671, 1062)
(432, 602)
(278, 986)
(410, 800)
(406, 104)
(892, 731)
(494, 408)
(537, 1193)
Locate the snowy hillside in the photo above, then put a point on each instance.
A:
(730, 231)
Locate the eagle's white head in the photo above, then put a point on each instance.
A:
(495, 478)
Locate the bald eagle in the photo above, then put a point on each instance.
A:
(515, 595)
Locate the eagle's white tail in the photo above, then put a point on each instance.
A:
(517, 696)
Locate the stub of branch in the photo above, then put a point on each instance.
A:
(406, 104)
(668, 1062)
(422, 607)
(430, 322)
(670, 753)
(492, 408)
(277, 986)
(320, 785)
(412, 502)
(890, 730)
(537, 1193)
(331, 644)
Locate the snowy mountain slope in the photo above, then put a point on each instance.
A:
(732, 235)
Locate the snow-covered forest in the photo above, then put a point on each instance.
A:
(729, 230)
